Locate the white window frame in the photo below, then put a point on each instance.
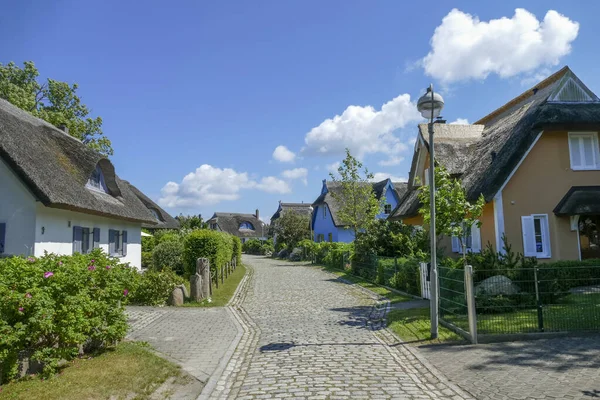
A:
(595, 152)
(545, 231)
(475, 241)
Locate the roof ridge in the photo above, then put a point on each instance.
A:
(523, 96)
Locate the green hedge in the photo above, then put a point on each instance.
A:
(168, 255)
(237, 250)
(216, 246)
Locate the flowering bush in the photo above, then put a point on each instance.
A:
(154, 287)
(53, 305)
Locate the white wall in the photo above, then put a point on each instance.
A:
(58, 235)
(17, 210)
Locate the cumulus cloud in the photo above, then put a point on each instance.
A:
(333, 167)
(209, 185)
(391, 161)
(296, 173)
(283, 154)
(363, 130)
(459, 121)
(379, 176)
(463, 47)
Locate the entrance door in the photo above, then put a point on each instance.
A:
(589, 237)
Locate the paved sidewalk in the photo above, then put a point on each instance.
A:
(307, 338)
(198, 339)
(561, 368)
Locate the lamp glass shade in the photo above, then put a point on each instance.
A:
(424, 105)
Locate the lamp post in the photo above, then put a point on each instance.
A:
(430, 105)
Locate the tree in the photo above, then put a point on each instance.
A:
(53, 101)
(291, 228)
(191, 221)
(454, 214)
(358, 205)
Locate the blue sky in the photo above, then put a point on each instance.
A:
(196, 96)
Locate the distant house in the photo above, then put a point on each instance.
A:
(59, 196)
(299, 208)
(244, 226)
(163, 219)
(326, 223)
(536, 161)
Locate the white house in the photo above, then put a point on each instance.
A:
(59, 196)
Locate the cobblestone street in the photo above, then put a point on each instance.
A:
(307, 337)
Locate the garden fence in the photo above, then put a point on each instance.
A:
(522, 300)
(219, 274)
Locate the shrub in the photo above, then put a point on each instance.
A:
(153, 288)
(216, 246)
(53, 305)
(267, 247)
(408, 276)
(146, 259)
(253, 246)
(168, 255)
(148, 243)
(237, 250)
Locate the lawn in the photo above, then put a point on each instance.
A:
(223, 294)
(392, 295)
(413, 325)
(127, 371)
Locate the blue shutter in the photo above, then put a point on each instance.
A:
(124, 244)
(96, 238)
(77, 239)
(2, 236)
(111, 242)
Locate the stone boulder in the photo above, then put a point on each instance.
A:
(177, 297)
(496, 285)
(296, 254)
(283, 253)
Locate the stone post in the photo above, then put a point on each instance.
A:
(196, 285)
(203, 270)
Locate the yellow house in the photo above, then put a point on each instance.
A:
(536, 160)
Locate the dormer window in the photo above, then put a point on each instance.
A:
(155, 214)
(247, 225)
(96, 181)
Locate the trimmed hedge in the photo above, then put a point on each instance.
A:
(216, 246)
(168, 255)
(237, 250)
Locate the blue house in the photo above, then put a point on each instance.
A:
(326, 223)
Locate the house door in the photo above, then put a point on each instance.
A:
(589, 237)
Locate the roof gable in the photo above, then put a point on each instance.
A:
(571, 89)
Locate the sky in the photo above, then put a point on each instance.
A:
(231, 106)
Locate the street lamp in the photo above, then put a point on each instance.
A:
(430, 106)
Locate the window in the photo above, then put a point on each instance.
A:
(330, 237)
(2, 236)
(536, 236)
(584, 151)
(155, 214)
(85, 239)
(387, 209)
(471, 240)
(320, 237)
(589, 237)
(117, 243)
(324, 211)
(246, 225)
(96, 181)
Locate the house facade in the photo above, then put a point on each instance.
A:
(59, 196)
(244, 226)
(304, 209)
(536, 161)
(325, 221)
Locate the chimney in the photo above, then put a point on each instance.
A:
(439, 120)
(64, 128)
(257, 214)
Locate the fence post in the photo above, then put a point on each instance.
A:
(538, 301)
(222, 278)
(471, 310)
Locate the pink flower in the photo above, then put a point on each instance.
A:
(21, 309)
(48, 274)
(28, 295)
(93, 261)
(108, 267)
(91, 268)
(30, 259)
(60, 263)
(125, 292)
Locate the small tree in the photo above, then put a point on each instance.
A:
(358, 205)
(454, 214)
(291, 228)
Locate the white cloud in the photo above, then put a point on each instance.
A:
(463, 47)
(296, 173)
(209, 185)
(333, 167)
(271, 184)
(395, 160)
(282, 154)
(459, 121)
(363, 130)
(379, 176)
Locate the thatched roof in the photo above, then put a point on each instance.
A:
(56, 167)
(507, 135)
(230, 223)
(401, 188)
(580, 200)
(164, 219)
(300, 208)
(336, 187)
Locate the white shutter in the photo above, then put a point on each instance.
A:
(475, 238)
(456, 245)
(529, 248)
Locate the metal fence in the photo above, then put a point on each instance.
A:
(521, 300)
